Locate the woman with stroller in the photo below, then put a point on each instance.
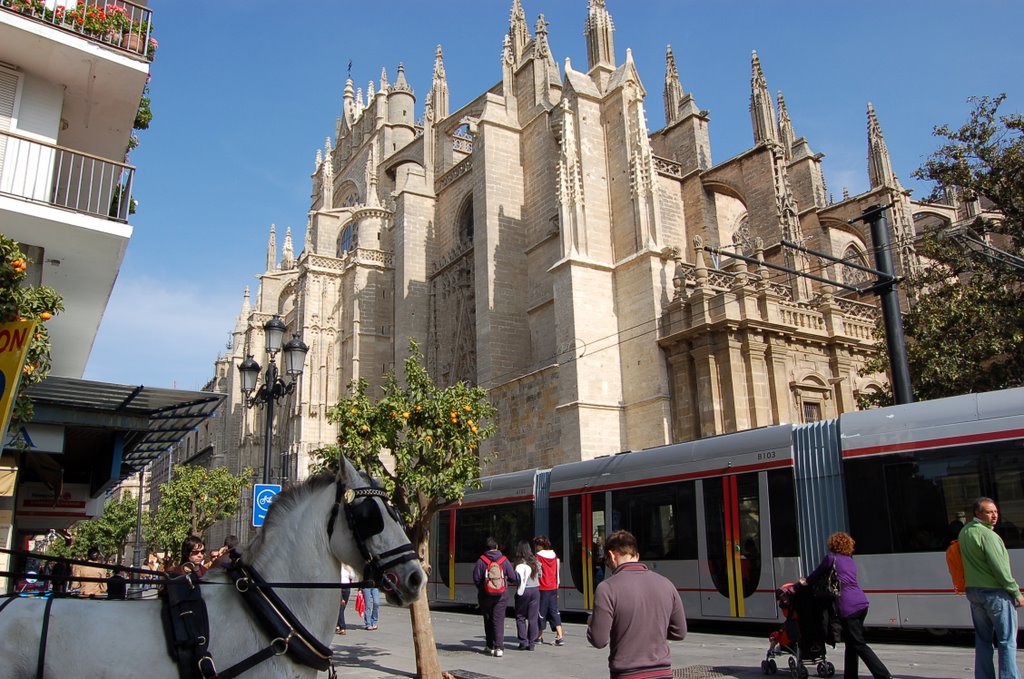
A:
(853, 606)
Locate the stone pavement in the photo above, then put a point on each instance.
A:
(388, 652)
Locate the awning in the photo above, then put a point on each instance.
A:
(153, 419)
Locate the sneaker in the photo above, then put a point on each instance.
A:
(498, 653)
(488, 650)
(559, 642)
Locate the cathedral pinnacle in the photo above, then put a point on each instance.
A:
(880, 172)
(786, 134)
(383, 79)
(518, 31)
(673, 88)
(762, 108)
(401, 85)
(598, 31)
(438, 96)
(288, 254)
(272, 247)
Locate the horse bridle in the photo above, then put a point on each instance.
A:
(365, 521)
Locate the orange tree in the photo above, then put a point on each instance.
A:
(430, 437)
(26, 302)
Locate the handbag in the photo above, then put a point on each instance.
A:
(828, 588)
(360, 603)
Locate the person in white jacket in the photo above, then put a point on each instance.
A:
(347, 576)
(527, 596)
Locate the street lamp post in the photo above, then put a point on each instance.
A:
(273, 388)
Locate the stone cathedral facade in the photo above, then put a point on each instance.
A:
(539, 240)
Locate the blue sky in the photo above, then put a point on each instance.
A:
(245, 92)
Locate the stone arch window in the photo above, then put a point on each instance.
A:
(349, 238)
(812, 393)
(850, 275)
(464, 223)
(347, 195)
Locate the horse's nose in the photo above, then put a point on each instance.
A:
(416, 580)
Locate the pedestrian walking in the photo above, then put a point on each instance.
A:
(371, 597)
(90, 587)
(117, 584)
(852, 606)
(527, 596)
(550, 579)
(992, 591)
(347, 576)
(492, 575)
(636, 612)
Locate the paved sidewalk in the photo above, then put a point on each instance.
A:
(388, 652)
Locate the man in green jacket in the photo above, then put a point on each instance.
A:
(992, 591)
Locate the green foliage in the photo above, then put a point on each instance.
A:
(965, 331)
(192, 501)
(24, 302)
(108, 532)
(432, 433)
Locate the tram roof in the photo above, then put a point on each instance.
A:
(512, 486)
(957, 420)
(752, 450)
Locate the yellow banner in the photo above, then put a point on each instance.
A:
(14, 340)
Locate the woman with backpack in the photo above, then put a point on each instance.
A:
(527, 596)
(852, 603)
(492, 575)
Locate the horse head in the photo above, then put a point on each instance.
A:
(378, 531)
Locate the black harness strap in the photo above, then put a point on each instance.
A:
(10, 598)
(42, 638)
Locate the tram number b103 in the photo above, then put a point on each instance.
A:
(770, 455)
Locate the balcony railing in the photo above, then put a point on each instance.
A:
(58, 176)
(119, 24)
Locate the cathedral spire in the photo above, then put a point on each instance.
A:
(438, 96)
(401, 84)
(673, 88)
(762, 109)
(348, 107)
(880, 171)
(383, 79)
(518, 31)
(598, 30)
(272, 247)
(786, 134)
(288, 253)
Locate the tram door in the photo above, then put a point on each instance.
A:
(587, 530)
(732, 566)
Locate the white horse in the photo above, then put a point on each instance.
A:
(308, 531)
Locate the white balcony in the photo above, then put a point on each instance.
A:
(102, 76)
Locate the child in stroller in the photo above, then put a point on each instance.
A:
(802, 635)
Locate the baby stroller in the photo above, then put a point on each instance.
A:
(801, 636)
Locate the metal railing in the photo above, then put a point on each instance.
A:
(51, 174)
(120, 24)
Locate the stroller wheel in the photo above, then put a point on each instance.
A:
(772, 666)
(822, 669)
(830, 669)
(764, 667)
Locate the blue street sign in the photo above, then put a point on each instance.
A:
(262, 495)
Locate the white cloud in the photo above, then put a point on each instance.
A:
(162, 333)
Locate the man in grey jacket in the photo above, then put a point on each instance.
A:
(636, 611)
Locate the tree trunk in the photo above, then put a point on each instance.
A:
(428, 666)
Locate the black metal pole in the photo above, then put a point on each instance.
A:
(270, 381)
(886, 287)
(137, 557)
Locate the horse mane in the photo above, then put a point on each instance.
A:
(286, 500)
(292, 496)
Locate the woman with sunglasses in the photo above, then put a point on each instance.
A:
(193, 551)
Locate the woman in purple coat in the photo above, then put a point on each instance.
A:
(853, 607)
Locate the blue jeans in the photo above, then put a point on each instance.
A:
(995, 626)
(371, 597)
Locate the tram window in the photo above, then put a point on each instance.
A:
(441, 541)
(1008, 479)
(555, 531)
(663, 519)
(507, 523)
(782, 498)
(916, 506)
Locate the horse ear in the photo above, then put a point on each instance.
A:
(345, 469)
